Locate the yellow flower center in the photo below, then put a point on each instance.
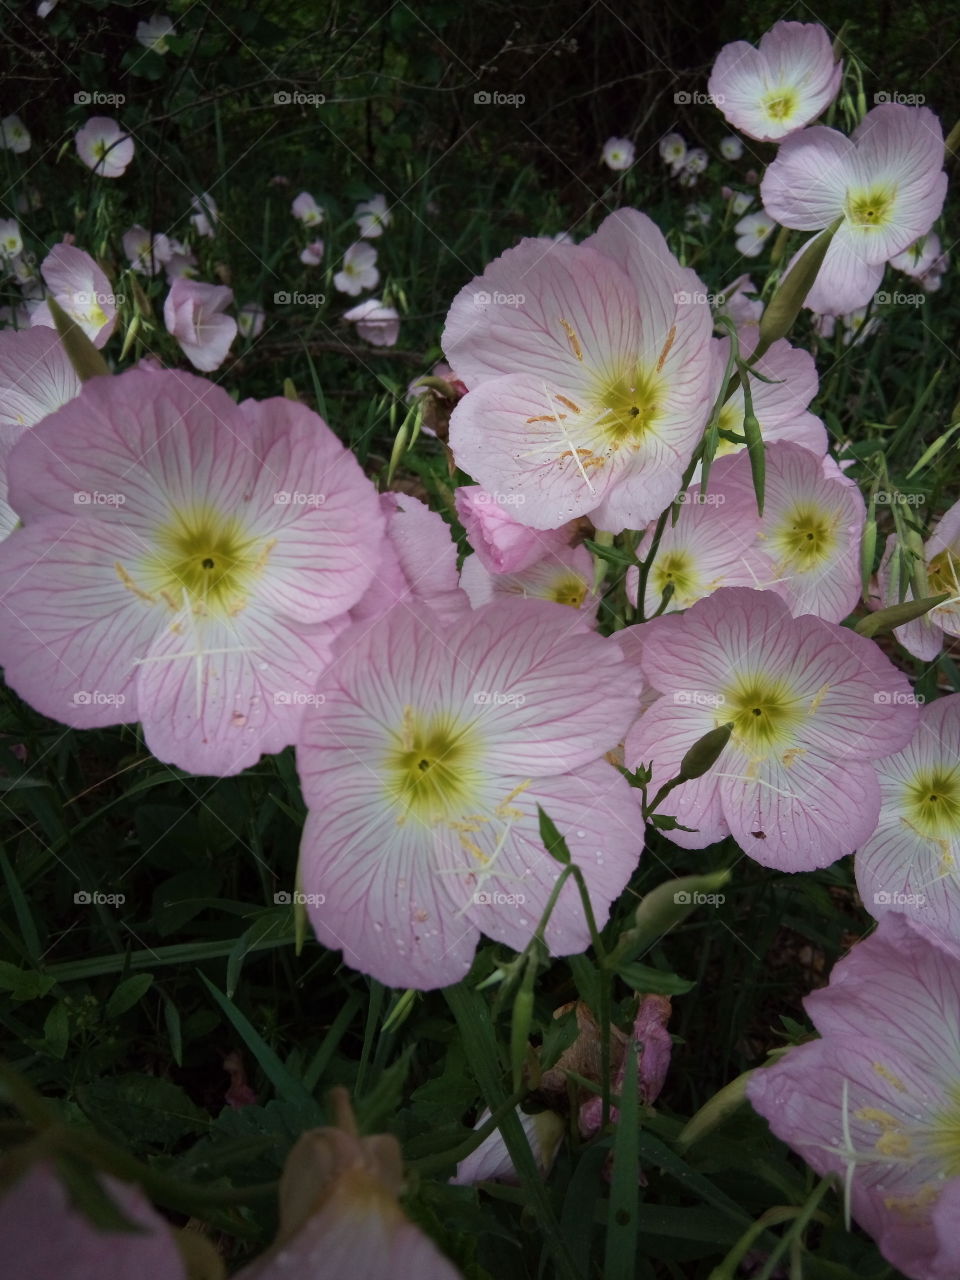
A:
(942, 574)
(780, 104)
(870, 208)
(932, 803)
(431, 768)
(569, 589)
(206, 557)
(676, 569)
(629, 406)
(765, 712)
(805, 538)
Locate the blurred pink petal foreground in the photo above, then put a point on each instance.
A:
(589, 372)
(812, 705)
(422, 764)
(875, 1100)
(178, 557)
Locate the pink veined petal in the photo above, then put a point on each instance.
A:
(485, 338)
(44, 1235)
(846, 280)
(565, 577)
(797, 815)
(806, 183)
(922, 637)
(243, 698)
(491, 1161)
(501, 541)
(904, 144)
(80, 286)
(69, 627)
(36, 377)
(661, 737)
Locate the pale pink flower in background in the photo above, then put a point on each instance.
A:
(422, 786)
(503, 544)
(184, 561)
(565, 577)
(910, 863)
(744, 310)
(36, 377)
(418, 564)
(205, 216)
(753, 231)
(673, 151)
(812, 705)
(45, 8)
(181, 263)
(378, 324)
(808, 542)
(771, 91)
(491, 1161)
(250, 320)
(153, 34)
(340, 1213)
(618, 154)
(372, 216)
(14, 135)
(83, 291)
(925, 260)
(854, 326)
(11, 241)
(874, 1100)
(696, 160)
(146, 253)
(787, 383)
(194, 314)
(46, 1236)
(740, 201)
(706, 549)
(306, 210)
(731, 148)
(104, 147)
(697, 215)
(923, 637)
(359, 269)
(590, 375)
(312, 255)
(885, 183)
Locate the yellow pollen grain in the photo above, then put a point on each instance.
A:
(129, 583)
(886, 1074)
(873, 1115)
(572, 338)
(549, 417)
(819, 696)
(568, 404)
(671, 338)
(892, 1144)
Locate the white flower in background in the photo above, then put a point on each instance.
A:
(306, 210)
(45, 8)
(104, 147)
(206, 215)
(731, 148)
(618, 154)
(697, 215)
(752, 233)
(147, 253)
(14, 135)
(359, 270)
(250, 320)
(372, 216)
(673, 150)
(740, 201)
(153, 34)
(312, 255)
(380, 325)
(11, 242)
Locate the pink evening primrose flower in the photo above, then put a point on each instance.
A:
(180, 560)
(705, 550)
(45, 1235)
(306, 210)
(36, 377)
(731, 148)
(250, 320)
(923, 637)
(359, 269)
(502, 543)
(153, 35)
(565, 577)
(205, 216)
(82, 290)
(885, 183)
(924, 260)
(146, 253)
(753, 231)
(673, 150)
(422, 786)
(812, 705)
(14, 135)
(771, 91)
(194, 314)
(653, 1046)
(590, 373)
(372, 216)
(312, 255)
(418, 564)
(874, 1100)
(807, 547)
(104, 147)
(910, 862)
(377, 324)
(618, 154)
(340, 1213)
(11, 241)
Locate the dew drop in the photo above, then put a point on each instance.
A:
(238, 719)
(581, 834)
(377, 927)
